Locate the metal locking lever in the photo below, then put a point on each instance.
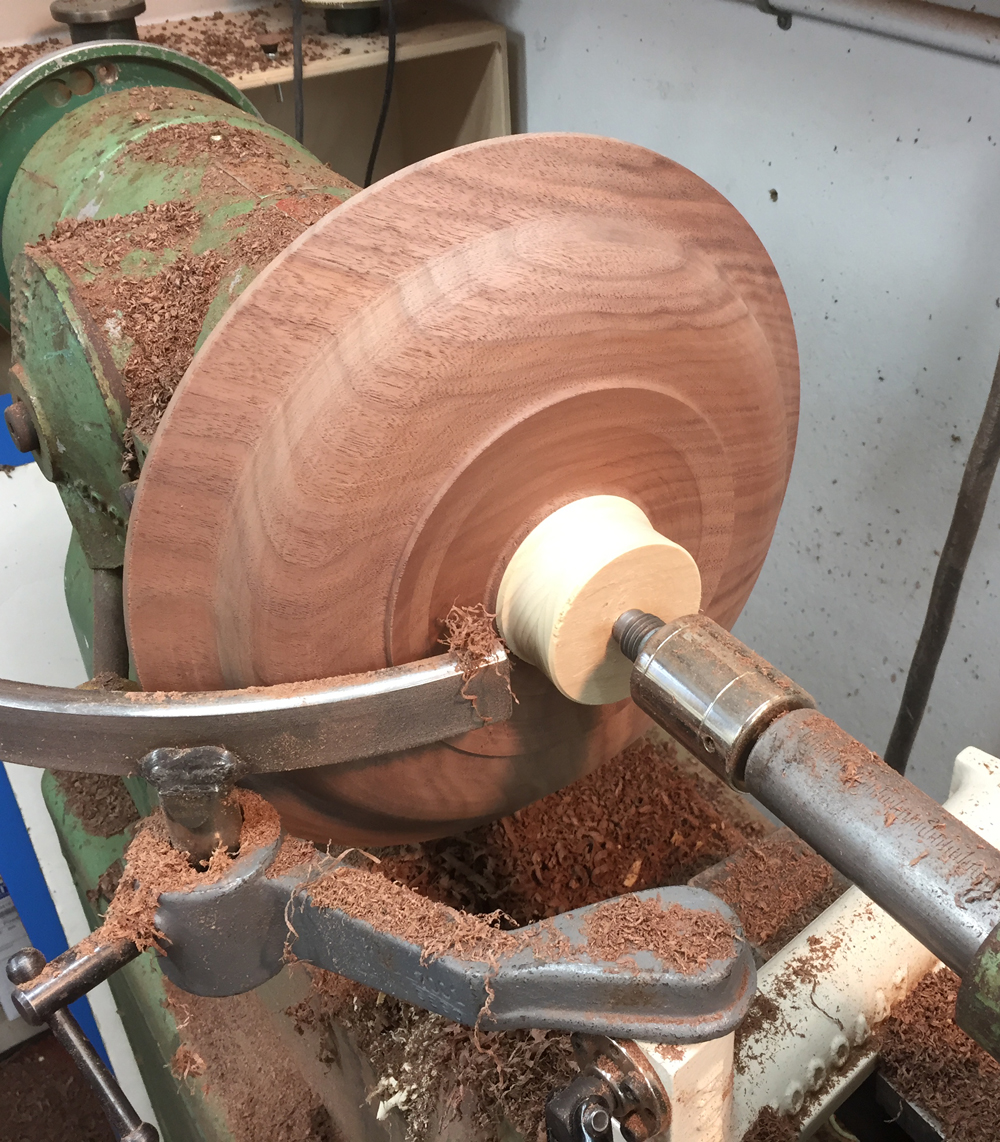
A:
(47, 1003)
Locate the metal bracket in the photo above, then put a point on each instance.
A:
(231, 936)
(271, 729)
(616, 1082)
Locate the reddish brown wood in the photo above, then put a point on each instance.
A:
(411, 387)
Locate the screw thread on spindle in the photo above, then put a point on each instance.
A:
(632, 629)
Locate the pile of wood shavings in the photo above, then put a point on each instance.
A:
(161, 314)
(933, 1062)
(154, 866)
(684, 940)
(636, 822)
(435, 1071)
(769, 884)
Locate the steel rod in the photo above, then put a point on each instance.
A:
(973, 495)
(929, 871)
(110, 645)
(969, 34)
(270, 729)
(120, 1112)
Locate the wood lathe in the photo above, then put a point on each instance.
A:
(547, 379)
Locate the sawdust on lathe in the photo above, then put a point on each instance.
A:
(684, 940)
(187, 1064)
(154, 866)
(769, 884)
(236, 159)
(390, 907)
(434, 1071)
(251, 1075)
(99, 801)
(160, 314)
(639, 821)
(933, 1062)
(770, 1126)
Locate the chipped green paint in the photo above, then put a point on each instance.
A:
(38, 96)
(977, 1008)
(102, 159)
(64, 374)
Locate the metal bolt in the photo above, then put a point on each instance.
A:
(596, 1119)
(195, 786)
(21, 427)
(632, 629)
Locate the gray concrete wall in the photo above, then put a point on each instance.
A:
(886, 233)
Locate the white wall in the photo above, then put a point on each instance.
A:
(887, 237)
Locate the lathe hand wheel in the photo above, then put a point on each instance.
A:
(406, 392)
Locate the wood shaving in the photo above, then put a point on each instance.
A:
(684, 940)
(154, 866)
(932, 1061)
(435, 1071)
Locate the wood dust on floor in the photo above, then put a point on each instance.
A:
(44, 1098)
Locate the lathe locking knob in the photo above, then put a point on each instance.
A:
(98, 19)
(25, 965)
(21, 427)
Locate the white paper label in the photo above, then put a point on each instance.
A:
(12, 939)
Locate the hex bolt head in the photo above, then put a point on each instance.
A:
(596, 1120)
(23, 966)
(21, 427)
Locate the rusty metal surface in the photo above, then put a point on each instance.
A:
(231, 936)
(928, 870)
(270, 729)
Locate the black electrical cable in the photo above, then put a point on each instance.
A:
(977, 480)
(300, 101)
(390, 71)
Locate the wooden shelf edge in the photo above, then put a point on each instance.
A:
(420, 44)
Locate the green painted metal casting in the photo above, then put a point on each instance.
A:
(38, 96)
(977, 1008)
(111, 157)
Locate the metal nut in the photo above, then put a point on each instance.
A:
(21, 427)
